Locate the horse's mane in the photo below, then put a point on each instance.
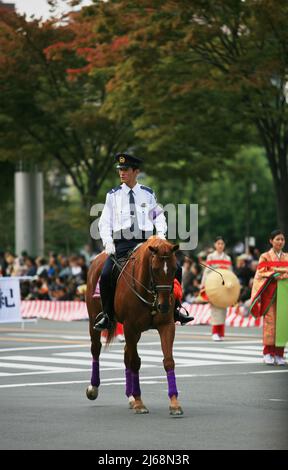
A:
(158, 242)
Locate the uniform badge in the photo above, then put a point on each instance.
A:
(122, 159)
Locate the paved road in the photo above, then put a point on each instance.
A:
(230, 399)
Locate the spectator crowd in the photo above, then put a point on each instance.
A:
(60, 277)
(57, 277)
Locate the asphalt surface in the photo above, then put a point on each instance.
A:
(231, 400)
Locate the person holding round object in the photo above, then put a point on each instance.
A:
(222, 288)
(269, 299)
(218, 260)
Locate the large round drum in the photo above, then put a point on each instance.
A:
(222, 294)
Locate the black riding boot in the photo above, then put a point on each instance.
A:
(103, 324)
(179, 316)
(107, 290)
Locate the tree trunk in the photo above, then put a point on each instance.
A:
(282, 207)
(279, 170)
(87, 203)
(277, 158)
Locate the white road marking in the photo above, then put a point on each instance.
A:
(119, 345)
(43, 348)
(253, 348)
(14, 365)
(181, 358)
(202, 356)
(56, 371)
(179, 363)
(121, 381)
(75, 354)
(77, 358)
(276, 399)
(223, 350)
(271, 371)
(42, 335)
(52, 360)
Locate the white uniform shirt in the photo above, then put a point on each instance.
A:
(116, 213)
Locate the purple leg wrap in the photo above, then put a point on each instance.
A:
(95, 378)
(172, 388)
(136, 392)
(128, 374)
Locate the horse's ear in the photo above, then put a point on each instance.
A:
(175, 248)
(153, 249)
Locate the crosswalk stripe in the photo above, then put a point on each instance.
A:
(52, 360)
(145, 357)
(203, 355)
(121, 382)
(42, 335)
(223, 350)
(182, 357)
(104, 363)
(74, 354)
(43, 348)
(14, 365)
(77, 358)
(58, 371)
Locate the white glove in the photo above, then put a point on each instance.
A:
(110, 248)
(162, 236)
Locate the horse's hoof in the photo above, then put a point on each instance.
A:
(131, 402)
(141, 411)
(92, 392)
(176, 411)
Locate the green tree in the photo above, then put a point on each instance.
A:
(206, 76)
(55, 118)
(240, 202)
(246, 44)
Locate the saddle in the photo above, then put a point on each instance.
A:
(121, 263)
(117, 269)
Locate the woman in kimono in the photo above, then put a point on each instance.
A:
(217, 260)
(272, 267)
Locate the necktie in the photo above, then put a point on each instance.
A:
(134, 225)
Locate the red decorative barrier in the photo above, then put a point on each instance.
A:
(69, 311)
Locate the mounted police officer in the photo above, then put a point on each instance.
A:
(128, 218)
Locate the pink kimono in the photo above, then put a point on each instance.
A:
(264, 296)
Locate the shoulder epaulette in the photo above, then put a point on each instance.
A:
(147, 189)
(114, 190)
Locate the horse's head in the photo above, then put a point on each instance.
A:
(163, 268)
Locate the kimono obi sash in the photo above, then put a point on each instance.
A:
(273, 264)
(221, 263)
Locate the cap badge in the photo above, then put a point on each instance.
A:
(122, 159)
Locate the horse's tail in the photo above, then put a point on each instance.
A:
(111, 333)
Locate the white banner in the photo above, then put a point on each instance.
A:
(9, 300)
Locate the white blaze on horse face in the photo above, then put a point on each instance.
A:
(165, 268)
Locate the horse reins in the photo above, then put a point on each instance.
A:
(206, 266)
(156, 287)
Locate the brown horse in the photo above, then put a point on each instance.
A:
(143, 300)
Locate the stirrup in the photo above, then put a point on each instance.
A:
(179, 316)
(103, 324)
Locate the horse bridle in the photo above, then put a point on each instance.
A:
(156, 288)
